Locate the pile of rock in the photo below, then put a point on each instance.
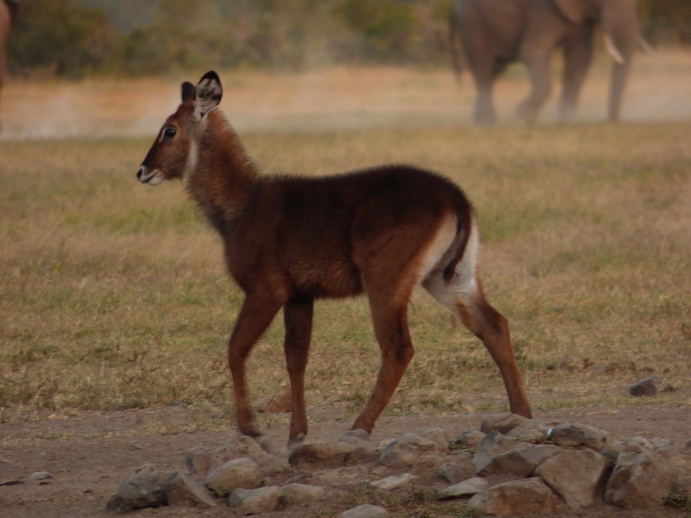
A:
(572, 461)
(538, 466)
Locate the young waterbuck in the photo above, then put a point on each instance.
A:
(289, 240)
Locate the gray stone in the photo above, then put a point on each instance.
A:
(244, 473)
(406, 450)
(365, 511)
(575, 435)
(437, 435)
(355, 436)
(468, 440)
(255, 501)
(528, 431)
(522, 459)
(644, 387)
(146, 488)
(296, 494)
(517, 497)
(41, 475)
(502, 423)
(467, 488)
(454, 472)
(640, 480)
(632, 444)
(576, 475)
(200, 461)
(277, 403)
(185, 491)
(332, 453)
(394, 482)
(686, 450)
(492, 445)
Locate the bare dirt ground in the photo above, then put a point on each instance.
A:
(91, 453)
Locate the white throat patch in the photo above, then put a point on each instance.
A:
(192, 158)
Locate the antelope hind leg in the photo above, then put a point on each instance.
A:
(298, 330)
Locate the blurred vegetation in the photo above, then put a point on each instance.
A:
(81, 37)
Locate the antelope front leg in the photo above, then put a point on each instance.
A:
(297, 315)
(391, 328)
(255, 316)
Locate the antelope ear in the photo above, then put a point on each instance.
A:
(187, 90)
(208, 93)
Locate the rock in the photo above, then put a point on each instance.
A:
(255, 501)
(238, 473)
(518, 497)
(406, 450)
(640, 480)
(644, 387)
(574, 435)
(455, 472)
(502, 423)
(468, 487)
(522, 459)
(632, 444)
(146, 488)
(280, 402)
(356, 436)
(492, 445)
(576, 475)
(296, 494)
(41, 475)
(468, 440)
(686, 450)
(394, 482)
(437, 435)
(200, 462)
(365, 511)
(185, 491)
(333, 453)
(528, 431)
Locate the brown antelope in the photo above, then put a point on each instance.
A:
(289, 240)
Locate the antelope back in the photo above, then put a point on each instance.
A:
(174, 152)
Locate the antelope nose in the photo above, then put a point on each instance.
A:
(140, 172)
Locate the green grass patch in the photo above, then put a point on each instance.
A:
(114, 295)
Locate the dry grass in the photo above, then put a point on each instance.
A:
(113, 295)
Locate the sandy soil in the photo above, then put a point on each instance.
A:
(90, 454)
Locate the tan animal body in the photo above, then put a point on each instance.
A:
(289, 240)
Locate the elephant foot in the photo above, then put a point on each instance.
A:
(485, 118)
(526, 112)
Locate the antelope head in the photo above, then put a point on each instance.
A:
(174, 152)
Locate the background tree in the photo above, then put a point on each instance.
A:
(78, 37)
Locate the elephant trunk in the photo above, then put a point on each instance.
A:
(621, 37)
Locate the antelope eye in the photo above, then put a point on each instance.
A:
(169, 132)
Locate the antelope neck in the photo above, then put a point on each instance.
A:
(223, 176)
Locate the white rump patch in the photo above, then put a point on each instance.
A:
(462, 285)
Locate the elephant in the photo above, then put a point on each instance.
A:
(495, 33)
(8, 13)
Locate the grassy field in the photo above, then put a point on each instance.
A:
(113, 294)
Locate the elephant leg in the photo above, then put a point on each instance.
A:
(620, 72)
(481, 62)
(578, 53)
(539, 71)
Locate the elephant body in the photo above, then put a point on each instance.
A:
(495, 33)
(8, 13)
